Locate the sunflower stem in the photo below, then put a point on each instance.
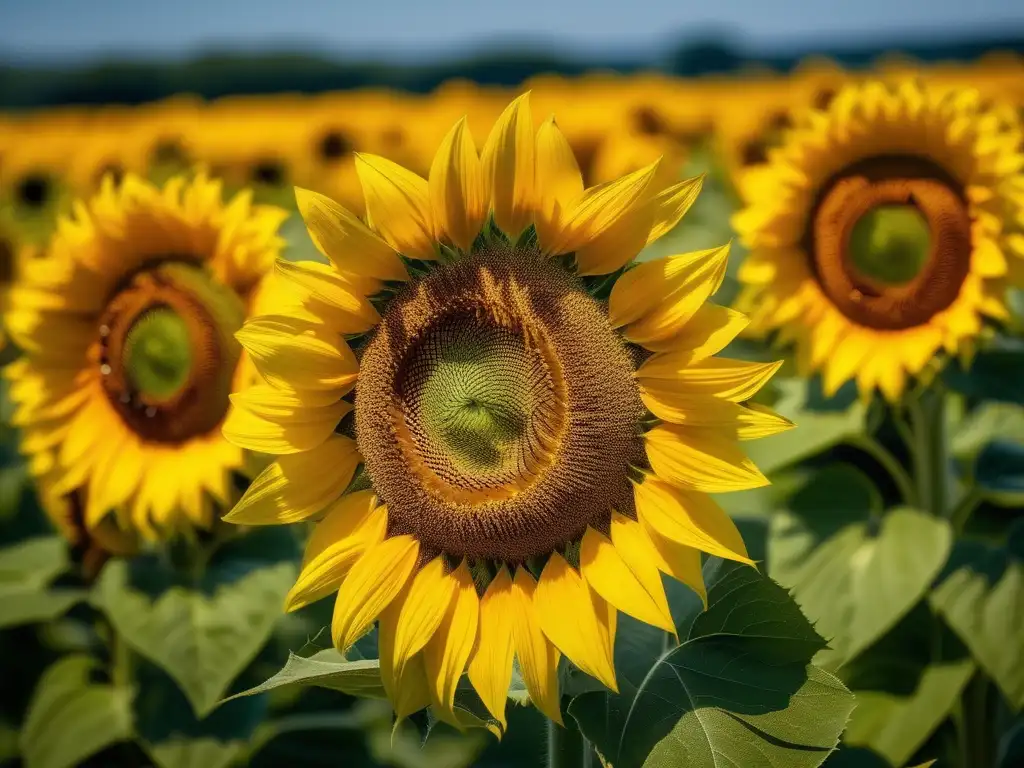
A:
(122, 665)
(891, 464)
(567, 748)
(930, 449)
(974, 721)
(961, 513)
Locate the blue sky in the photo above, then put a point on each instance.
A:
(409, 29)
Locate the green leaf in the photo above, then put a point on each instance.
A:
(994, 374)
(738, 688)
(989, 421)
(982, 599)
(819, 426)
(854, 576)
(402, 748)
(829, 500)
(71, 718)
(906, 685)
(36, 562)
(999, 472)
(326, 669)
(30, 606)
(761, 741)
(208, 752)
(205, 635)
(26, 570)
(174, 737)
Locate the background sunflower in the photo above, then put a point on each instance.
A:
(126, 327)
(877, 232)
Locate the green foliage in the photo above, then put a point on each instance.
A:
(204, 633)
(982, 599)
(327, 669)
(906, 685)
(71, 717)
(738, 688)
(994, 374)
(26, 573)
(855, 574)
(822, 425)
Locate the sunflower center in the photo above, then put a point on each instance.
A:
(158, 353)
(167, 353)
(496, 409)
(890, 243)
(476, 394)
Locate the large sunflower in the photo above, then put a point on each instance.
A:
(127, 328)
(877, 232)
(538, 421)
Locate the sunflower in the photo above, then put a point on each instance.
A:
(129, 356)
(503, 427)
(877, 233)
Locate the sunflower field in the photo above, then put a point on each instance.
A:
(622, 420)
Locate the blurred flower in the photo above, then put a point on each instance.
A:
(127, 330)
(538, 428)
(877, 233)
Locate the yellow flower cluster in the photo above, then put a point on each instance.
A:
(615, 125)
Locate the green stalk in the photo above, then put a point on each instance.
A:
(930, 449)
(122, 665)
(889, 462)
(977, 736)
(567, 748)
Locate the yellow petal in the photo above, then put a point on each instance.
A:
(693, 519)
(371, 584)
(671, 204)
(429, 593)
(304, 430)
(508, 163)
(677, 560)
(726, 418)
(298, 486)
(281, 406)
(490, 666)
(657, 298)
(397, 205)
(411, 693)
(538, 658)
(559, 183)
(623, 240)
(457, 188)
(295, 355)
(352, 312)
(575, 619)
(600, 207)
(349, 245)
(700, 459)
(449, 649)
(707, 333)
(734, 380)
(605, 570)
(350, 526)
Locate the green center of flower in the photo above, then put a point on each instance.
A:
(890, 243)
(475, 395)
(158, 353)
